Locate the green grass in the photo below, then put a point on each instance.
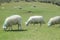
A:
(33, 32)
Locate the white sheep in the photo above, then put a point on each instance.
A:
(12, 20)
(54, 20)
(35, 20)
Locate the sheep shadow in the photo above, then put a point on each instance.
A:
(16, 30)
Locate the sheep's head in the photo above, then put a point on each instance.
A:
(26, 23)
(49, 23)
(4, 26)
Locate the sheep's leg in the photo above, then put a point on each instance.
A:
(40, 24)
(19, 27)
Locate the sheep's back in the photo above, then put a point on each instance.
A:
(13, 19)
(36, 18)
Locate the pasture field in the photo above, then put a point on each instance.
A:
(32, 32)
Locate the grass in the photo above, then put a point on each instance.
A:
(32, 32)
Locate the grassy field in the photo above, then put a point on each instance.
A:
(32, 32)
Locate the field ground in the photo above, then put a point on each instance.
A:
(32, 32)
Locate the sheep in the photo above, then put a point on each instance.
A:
(12, 20)
(35, 20)
(54, 20)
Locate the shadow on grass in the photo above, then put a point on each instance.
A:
(16, 30)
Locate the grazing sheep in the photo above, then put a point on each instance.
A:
(35, 20)
(54, 20)
(12, 20)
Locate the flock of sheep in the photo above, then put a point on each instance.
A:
(17, 19)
